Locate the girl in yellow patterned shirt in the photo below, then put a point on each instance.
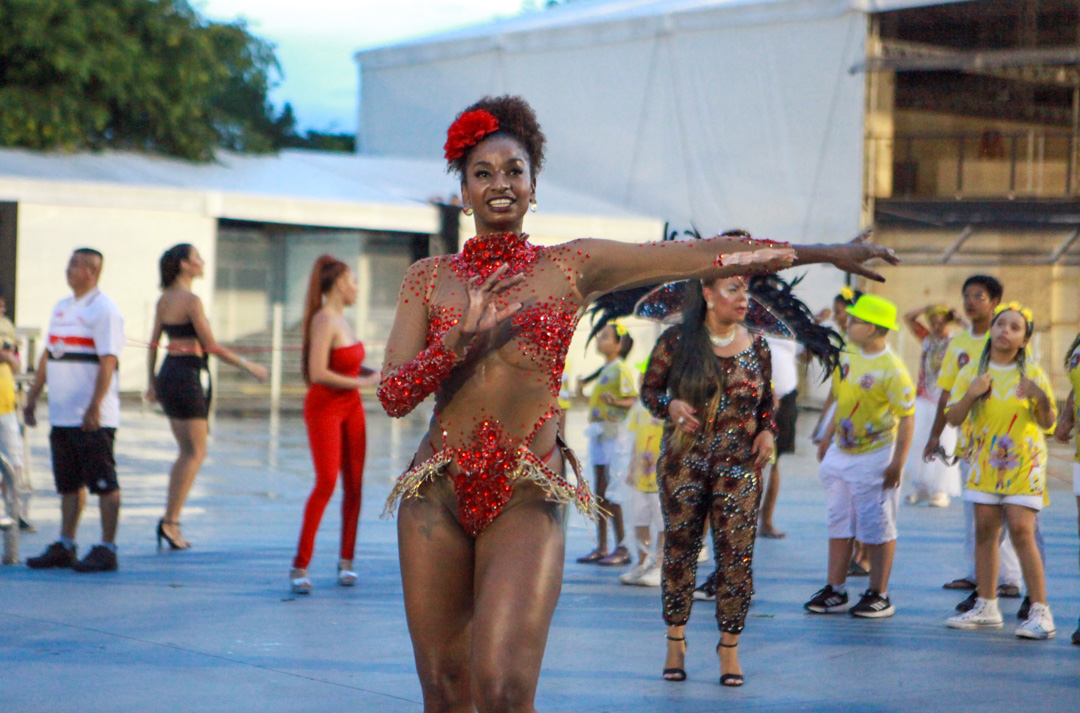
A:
(1008, 403)
(1065, 430)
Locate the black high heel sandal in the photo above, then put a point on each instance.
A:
(162, 535)
(732, 680)
(675, 674)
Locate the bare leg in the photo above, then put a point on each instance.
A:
(881, 561)
(1022, 531)
(191, 438)
(861, 555)
(644, 543)
(839, 559)
(519, 567)
(109, 503)
(768, 504)
(601, 492)
(437, 574)
(987, 534)
(71, 507)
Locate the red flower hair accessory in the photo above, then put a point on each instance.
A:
(467, 131)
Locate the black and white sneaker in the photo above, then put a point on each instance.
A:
(872, 606)
(827, 601)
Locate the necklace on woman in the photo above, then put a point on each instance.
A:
(721, 342)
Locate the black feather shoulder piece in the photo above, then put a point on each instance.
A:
(774, 311)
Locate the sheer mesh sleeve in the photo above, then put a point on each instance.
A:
(766, 416)
(417, 361)
(654, 385)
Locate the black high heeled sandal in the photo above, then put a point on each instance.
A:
(732, 680)
(162, 535)
(675, 674)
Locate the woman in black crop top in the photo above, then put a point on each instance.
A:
(182, 386)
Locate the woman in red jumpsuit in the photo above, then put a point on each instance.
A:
(333, 369)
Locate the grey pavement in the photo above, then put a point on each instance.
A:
(215, 628)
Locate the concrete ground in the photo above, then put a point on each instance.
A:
(216, 629)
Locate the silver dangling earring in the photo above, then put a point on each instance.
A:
(532, 207)
(467, 211)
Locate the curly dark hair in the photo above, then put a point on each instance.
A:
(517, 120)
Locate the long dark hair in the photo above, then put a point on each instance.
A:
(169, 264)
(1072, 348)
(695, 375)
(324, 274)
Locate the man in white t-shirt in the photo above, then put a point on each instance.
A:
(785, 379)
(86, 334)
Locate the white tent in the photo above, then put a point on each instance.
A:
(716, 113)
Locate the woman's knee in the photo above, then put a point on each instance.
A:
(446, 687)
(498, 690)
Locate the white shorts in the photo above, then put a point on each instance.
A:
(1076, 479)
(1035, 502)
(857, 505)
(603, 443)
(11, 445)
(645, 509)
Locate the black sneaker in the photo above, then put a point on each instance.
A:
(55, 555)
(827, 601)
(25, 526)
(1025, 609)
(968, 604)
(706, 592)
(872, 606)
(100, 559)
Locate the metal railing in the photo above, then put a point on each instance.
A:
(988, 164)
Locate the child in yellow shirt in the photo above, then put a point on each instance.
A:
(1007, 403)
(1066, 425)
(873, 425)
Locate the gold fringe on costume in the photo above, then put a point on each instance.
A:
(529, 468)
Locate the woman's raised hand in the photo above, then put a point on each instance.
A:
(483, 312)
(850, 257)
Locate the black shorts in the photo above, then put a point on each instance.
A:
(785, 423)
(83, 459)
(183, 387)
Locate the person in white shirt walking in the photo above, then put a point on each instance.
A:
(86, 335)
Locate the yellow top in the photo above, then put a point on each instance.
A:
(964, 349)
(872, 392)
(617, 379)
(648, 432)
(1007, 449)
(1074, 379)
(7, 377)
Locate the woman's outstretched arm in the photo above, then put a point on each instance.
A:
(603, 266)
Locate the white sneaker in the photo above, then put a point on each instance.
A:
(651, 576)
(984, 615)
(634, 575)
(703, 554)
(1039, 624)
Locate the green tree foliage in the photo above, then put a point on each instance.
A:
(149, 75)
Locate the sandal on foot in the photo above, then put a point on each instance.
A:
(732, 680)
(300, 582)
(593, 557)
(963, 583)
(675, 674)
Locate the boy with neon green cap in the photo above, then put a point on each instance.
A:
(873, 425)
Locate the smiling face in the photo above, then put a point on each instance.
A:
(1008, 333)
(498, 185)
(729, 298)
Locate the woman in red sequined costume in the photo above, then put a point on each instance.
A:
(480, 527)
(711, 380)
(332, 364)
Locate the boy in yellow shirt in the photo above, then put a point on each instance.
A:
(873, 425)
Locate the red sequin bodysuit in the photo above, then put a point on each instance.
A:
(494, 406)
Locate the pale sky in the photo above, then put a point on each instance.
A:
(315, 41)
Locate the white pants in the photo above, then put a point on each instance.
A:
(857, 505)
(11, 448)
(645, 512)
(934, 477)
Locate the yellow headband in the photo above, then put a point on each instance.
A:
(620, 330)
(941, 310)
(1016, 307)
(847, 293)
